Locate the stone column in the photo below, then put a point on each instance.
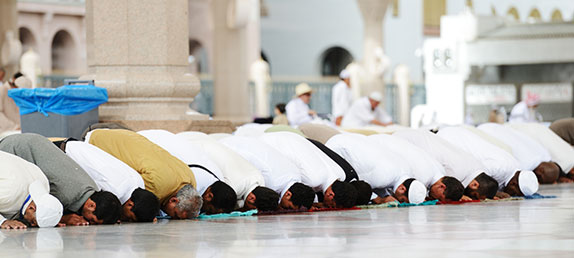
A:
(138, 50)
(8, 22)
(401, 77)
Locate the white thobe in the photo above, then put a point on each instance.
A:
(457, 163)
(424, 167)
(109, 173)
(190, 154)
(526, 150)
(560, 151)
(317, 170)
(16, 175)
(297, 112)
(341, 99)
(237, 172)
(9, 112)
(498, 163)
(279, 172)
(361, 114)
(378, 166)
(522, 114)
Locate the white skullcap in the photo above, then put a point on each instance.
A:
(417, 192)
(49, 210)
(527, 182)
(302, 88)
(344, 74)
(376, 96)
(532, 99)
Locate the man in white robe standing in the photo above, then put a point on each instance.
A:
(342, 97)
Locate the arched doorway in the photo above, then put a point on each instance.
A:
(557, 16)
(198, 63)
(64, 54)
(27, 39)
(512, 14)
(534, 16)
(334, 60)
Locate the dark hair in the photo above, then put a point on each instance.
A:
(487, 186)
(281, 107)
(17, 75)
(454, 188)
(364, 192)
(265, 199)
(407, 183)
(345, 194)
(224, 197)
(108, 206)
(302, 195)
(146, 205)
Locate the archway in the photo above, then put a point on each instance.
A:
(534, 16)
(198, 63)
(27, 39)
(512, 14)
(334, 60)
(64, 56)
(557, 16)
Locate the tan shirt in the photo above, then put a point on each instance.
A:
(9, 112)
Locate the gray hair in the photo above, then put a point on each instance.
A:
(189, 200)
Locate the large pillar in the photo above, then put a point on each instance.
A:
(8, 22)
(138, 50)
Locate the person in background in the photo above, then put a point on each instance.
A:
(525, 111)
(280, 117)
(342, 97)
(298, 111)
(366, 111)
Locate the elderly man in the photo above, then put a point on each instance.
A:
(424, 168)
(24, 195)
(317, 170)
(342, 97)
(164, 175)
(561, 152)
(111, 174)
(530, 154)
(565, 129)
(244, 178)
(366, 111)
(73, 187)
(499, 164)
(218, 197)
(297, 109)
(280, 173)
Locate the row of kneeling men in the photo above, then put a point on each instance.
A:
(121, 175)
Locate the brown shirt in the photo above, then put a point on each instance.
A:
(565, 129)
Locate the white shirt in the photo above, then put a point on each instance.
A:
(526, 150)
(341, 99)
(279, 172)
(109, 173)
(361, 114)
(498, 163)
(297, 112)
(522, 114)
(456, 162)
(189, 153)
(374, 163)
(560, 151)
(238, 172)
(424, 167)
(16, 175)
(317, 170)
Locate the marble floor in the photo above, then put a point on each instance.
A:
(525, 228)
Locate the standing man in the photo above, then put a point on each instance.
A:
(342, 97)
(366, 111)
(297, 109)
(9, 112)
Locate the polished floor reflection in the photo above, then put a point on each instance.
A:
(526, 228)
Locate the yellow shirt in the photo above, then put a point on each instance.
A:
(162, 173)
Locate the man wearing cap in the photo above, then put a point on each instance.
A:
(525, 111)
(24, 195)
(530, 154)
(499, 164)
(342, 97)
(366, 111)
(297, 109)
(218, 197)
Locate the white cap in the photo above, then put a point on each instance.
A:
(417, 192)
(302, 88)
(48, 209)
(527, 182)
(344, 74)
(376, 96)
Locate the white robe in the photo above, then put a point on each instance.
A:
(341, 99)
(498, 163)
(522, 114)
(424, 167)
(279, 172)
(297, 112)
(526, 150)
(190, 154)
(317, 170)
(360, 114)
(560, 151)
(109, 173)
(456, 162)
